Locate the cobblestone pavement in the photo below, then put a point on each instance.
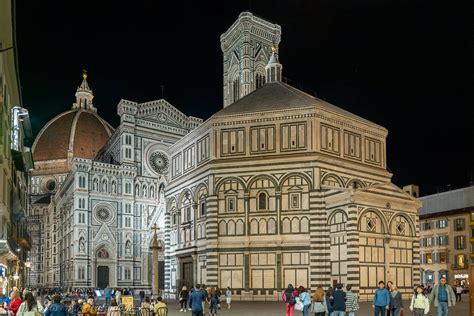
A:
(277, 308)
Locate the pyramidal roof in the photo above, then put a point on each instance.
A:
(276, 96)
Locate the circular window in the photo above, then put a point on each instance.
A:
(50, 185)
(159, 162)
(103, 214)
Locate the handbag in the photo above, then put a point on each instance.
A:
(299, 306)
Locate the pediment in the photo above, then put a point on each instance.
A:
(104, 235)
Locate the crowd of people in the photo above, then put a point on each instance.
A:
(387, 300)
(59, 302)
(196, 298)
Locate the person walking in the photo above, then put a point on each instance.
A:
(289, 297)
(396, 302)
(420, 305)
(381, 301)
(183, 298)
(57, 308)
(118, 296)
(108, 295)
(442, 296)
(30, 306)
(319, 306)
(228, 297)
(213, 303)
(196, 300)
(305, 299)
(459, 290)
(352, 301)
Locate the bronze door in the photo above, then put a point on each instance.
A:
(102, 277)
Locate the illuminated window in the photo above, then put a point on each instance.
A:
(429, 258)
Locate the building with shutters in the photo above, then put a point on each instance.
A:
(446, 236)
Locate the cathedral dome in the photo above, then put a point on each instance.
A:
(75, 133)
(80, 132)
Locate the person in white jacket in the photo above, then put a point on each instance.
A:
(420, 304)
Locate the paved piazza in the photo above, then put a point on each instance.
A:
(277, 308)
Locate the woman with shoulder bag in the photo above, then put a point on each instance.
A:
(30, 307)
(319, 306)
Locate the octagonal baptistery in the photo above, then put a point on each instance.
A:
(77, 133)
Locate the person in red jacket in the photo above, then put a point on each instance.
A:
(15, 302)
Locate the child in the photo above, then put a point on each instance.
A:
(420, 305)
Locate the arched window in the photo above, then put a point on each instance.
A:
(82, 181)
(144, 191)
(137, 189)
(262, 201)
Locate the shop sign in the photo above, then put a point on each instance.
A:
(461, 276)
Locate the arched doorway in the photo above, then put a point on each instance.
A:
(105, 268)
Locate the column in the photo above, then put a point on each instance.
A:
(320, 269)
(353, 276)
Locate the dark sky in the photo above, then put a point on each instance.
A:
(406, 65)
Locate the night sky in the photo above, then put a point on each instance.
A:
(406, 65)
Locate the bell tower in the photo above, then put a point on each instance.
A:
(246, 46)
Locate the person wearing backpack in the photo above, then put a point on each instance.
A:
(319, 305)
(352, 304)
(289, 297)
(330, 301)
(339, 301)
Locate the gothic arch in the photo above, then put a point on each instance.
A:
(379, 214)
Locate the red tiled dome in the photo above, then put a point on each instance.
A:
(83, 133)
